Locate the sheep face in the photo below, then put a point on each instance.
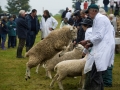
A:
(73, 32)
(79, 47)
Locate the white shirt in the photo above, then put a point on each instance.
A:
(111, 2)
(45, 25)
(88, 34)
(68, 15)
(103, 40)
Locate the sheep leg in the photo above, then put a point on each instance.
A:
(83, 82)
(27, 75)
(60, 78)
(49, 74)
(63, 52)
(54, 79)
(37, 68)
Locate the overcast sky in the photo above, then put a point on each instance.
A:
(52, 5)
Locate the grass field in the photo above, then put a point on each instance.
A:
(12, 72)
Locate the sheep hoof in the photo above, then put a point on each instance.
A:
(28, 77)
(59, 55)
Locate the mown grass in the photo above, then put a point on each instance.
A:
(12, 72)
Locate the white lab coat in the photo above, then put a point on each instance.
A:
(103, 40)
(68, 15)
(88, 34)
(45, 25)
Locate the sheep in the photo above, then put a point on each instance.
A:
(56, 41)
(69, 48)
(76, 53)
(69, 68)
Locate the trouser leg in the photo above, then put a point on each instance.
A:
(20, 48)
(9, 41)
(3, 41)
(94, 80)
(13, 41)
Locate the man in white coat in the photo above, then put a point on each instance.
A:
(102, 54)
(47, 24)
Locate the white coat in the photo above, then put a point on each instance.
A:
(45, 25)
(88, 34)
(68, 15)
(103, 40)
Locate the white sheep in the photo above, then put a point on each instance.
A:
(76, 53)
(69, 68)
(56, 41)
(69, 48)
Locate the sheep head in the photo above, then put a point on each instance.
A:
(73, 32)
(79, 47)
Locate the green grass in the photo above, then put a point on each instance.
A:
(12, 73)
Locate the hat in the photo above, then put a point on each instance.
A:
(93, 6)
(87, 21)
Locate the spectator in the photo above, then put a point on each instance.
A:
(112, 6)
(64, 13)
(22, 29)
(78, 5)
(106, 2)
(34, 27)
(116, 13)
(64, 22)
(12, 32)
(0, 31)
(85, 5)
(47, 24)
(68, 14)
(15, 18)
(4, 32)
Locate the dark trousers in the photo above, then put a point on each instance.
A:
(21, 43)
(3, 37)
(11, 41)
(107, 77)
(0, 40)
(30, 39)
(94, 80)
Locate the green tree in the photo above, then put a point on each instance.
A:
(61, 11)
(14, 6)
(1, 11)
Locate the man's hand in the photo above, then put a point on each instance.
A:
(2, 25)
(50, 29)
(84, 42)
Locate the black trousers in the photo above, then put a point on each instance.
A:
(94, 80)
(11, 41)
(21, 42)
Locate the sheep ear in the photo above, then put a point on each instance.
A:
(71, 28)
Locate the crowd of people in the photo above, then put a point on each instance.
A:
(94, 30)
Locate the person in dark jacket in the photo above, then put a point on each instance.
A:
(22, 29)
(12, 32)
(15, 18)
(64, 13)
(4, 32)
(34, 27)
(116, 13)
(78, 5)
(106, 2)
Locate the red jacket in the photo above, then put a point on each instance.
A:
(85, 5)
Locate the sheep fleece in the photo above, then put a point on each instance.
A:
(50, 46)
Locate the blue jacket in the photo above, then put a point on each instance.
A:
(28, 20)
(22, 27)
(4, 29)
(77, 5)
